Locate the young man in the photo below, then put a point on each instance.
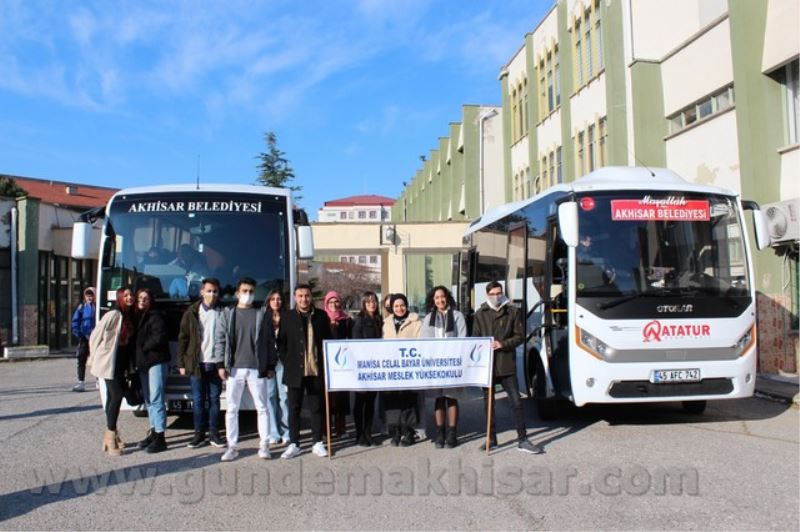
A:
(82, 326)
(300, 344)
(502, 321)
(197, 358)
(250, 360)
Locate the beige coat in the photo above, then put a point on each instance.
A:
(103, 345)
(409, 329)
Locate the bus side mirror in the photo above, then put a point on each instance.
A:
(568, 223)
(81, 240)
(759, 224)
(305, 242)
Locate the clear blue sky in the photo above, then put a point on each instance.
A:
(130, 93)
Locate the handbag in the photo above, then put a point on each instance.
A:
(133, 389)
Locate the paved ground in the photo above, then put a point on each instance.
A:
(654, 467)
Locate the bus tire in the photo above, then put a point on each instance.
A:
(546, 407)
(694, 407)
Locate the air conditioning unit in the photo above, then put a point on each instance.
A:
(783, 219)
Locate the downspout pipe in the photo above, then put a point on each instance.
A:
(481, 121)
(14, 283)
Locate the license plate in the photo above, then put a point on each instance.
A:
(675, 375)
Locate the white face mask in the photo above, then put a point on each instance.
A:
(494, 301)
(246, 298)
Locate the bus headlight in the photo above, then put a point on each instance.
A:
(593, 345)
(746, 342)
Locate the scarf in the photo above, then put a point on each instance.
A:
(448, 318)
(335, 316)
(311, 368)
(398, 322)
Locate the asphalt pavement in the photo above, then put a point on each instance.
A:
(610, 467)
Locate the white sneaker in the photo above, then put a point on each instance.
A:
(80, 387)
(273, 441)
(285, 441)
(320, 450)
(230, 454)
(264, 453)
(291, 451)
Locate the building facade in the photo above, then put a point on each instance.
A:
(707, 88)
(49, 283)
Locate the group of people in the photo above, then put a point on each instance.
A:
(277, 353)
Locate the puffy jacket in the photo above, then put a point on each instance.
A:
(459, 326)
(189, 342)
(225, 338)
(103, 345)
(505, 326)
(292, 345)
(83, 320)
(152, 341)
(409, 329)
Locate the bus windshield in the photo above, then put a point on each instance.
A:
(634, 243)
(169, 242)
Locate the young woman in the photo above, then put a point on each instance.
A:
(110, 359)
(401, 404)
(341, 329)
(368, 324)
(152, 361)
(277, 392)
(444, 321)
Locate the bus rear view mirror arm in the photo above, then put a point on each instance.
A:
(759, 224)
(568, 222)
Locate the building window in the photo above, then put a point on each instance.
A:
(521, 111)
(559, 175)
(703, 108)
(537, 186)
(362, 259)
(514, 126)
(788, 77)
(587, 39)
(525, 104)
(552, 172)
(373, 215)
(373, 259)
(556, 76)
(551, 97)
(590, 143)
(542, 91)
(579, 170)
(362, 215)
(578, 54)
(343, 215)
(543, 172)
(598, 31)
(602, 141)
(342, 259)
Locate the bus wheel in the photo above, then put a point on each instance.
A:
(694, 407)
(547, 407)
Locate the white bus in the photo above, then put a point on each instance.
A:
(168, 238)
(637, 287)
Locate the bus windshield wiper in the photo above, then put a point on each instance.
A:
(616, 302)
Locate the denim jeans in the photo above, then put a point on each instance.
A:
(154, 383)
(509, 384)
(206, 390)
(277, 394)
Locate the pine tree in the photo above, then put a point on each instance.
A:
(274, 169)
(9, 187)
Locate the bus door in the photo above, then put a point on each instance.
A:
(557, 309)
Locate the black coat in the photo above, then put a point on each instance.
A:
(152, 341)
(504, 325)
(292, 345)
(366, 327)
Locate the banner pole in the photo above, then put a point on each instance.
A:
(328, 418)
(490, 391)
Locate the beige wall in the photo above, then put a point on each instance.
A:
(549, 133)
(494, 183)
(588, 104)
(782, 38)
(698, 69)
(659, 26)
(708, 153)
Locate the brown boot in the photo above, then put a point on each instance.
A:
(118, 439)
(110, 443)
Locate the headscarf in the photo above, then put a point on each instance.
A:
(335, 315)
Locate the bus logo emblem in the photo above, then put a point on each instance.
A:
(652, 331)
